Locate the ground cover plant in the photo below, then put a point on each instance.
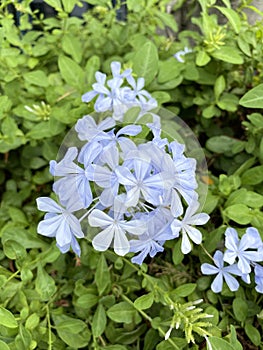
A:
(197, 293)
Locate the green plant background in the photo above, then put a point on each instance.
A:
(101, 301)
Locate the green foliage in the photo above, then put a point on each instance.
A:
(101, 301)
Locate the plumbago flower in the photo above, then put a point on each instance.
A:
(241, 254)
(133, 188)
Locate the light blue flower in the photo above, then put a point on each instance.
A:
(180, 54)
(109, 98)
(74, 178)
(241, 249)
(112, 96)
(114, 228)
(140, 183)
(155, 128)
(259, 278)
(151, 242)
(59, 222)
(109, 139)
(185, 225)
(138, 90)
(87, 128)
(222, 272)
(105, 176)
(183, 170)
(116, 70)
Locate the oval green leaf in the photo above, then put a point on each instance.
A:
(7, 319)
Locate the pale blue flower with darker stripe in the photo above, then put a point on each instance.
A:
(59, 222)
(222, 273)
(245, 250)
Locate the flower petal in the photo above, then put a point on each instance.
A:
(121, 243)
(194, 234)
(186, 244)
(217, 283)
(208, 269)
(98, 218)
(231, 282)
(49, 205)
(49, 227)
(232, 240)
(102, 240)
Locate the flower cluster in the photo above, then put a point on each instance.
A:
(240, 254)
(135, 194)
(112, 96)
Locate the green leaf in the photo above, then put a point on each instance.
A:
(102, 275)
(169, 70)
(191, 72)
(224, 144)
(243, 44)
(178, 344)
(5, 105)
(144, 301)
(228, 54)
(239, 213)
(86, 301)
(23, 339)
(7, 319)
(92, 66)
(161, 97)
(54, 3)
(220, 86)
(202, 58)
(218, 344)
(146, 62)
(68, 5)
(168, 20)
(253, 334)
(256, 119)
(49, 150)
(211, 310)
(123, 312)
(253, 98)
(14, 250)
(227, 3)
(177, 253)
(72, 46)
(45, 285)
(228, 102)
(71, 72)
(184, 290)
(232, 16)
(253, 176)
(240, 309)
(38, 77)
(210, 112)
(151, 339)
(249, 198)
(22, 236)
(39, 131)
(233, 339)
(32, 322)
(134, 5)
(17, 215)
(211, 202)
(71, 325)
(72, 331)
(4, 346)
(211, 240)
(99, 321)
